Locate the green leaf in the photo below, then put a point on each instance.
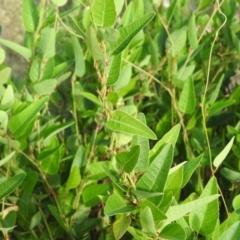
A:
(187, 101)
(59, 3)
(153, 180)
(172, 231)
(7, 158)
(93, 45)
(35, 70)
(74, 178)
(79, 58)
(8, 98)
(129, 32)
(216, 90)
(217, 107)
(122, 122)
(48, 42)
(36, 219)
(20, 122)
(169, 137)
(24, 52)
(231, 175)
(45, 87)
(50, 160)
(177, 40)
(128, 160)
(103, 13)
(5, 75)
(47, 68)
(91, 97)
(114, 69)
(120, 226)
(192, 33)
(2, 55)
(112, 175)
(204, 219)
(30, 15)
(91, 192)
(189, 169)
(222, 155)
(236, 202)
(3, 120)
(9, 185)
(232, 233)
(56, 215)
(144, 195)
(136, 233)
(147, 222)
(116, 205)
(143, 142)
(176, 212)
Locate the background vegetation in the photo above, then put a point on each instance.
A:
(126, 124)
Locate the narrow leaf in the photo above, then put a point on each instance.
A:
(122, 122)
(147, 222)
(9, 185)
(222, 155)
(187, 101)
(114, 69)
(30, 15)
(192, 33)
(74, 178)
(24, 52)
(7, 158)
(129, 32)
(48, 42)
(91, 97)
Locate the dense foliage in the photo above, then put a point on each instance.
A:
(126, 125)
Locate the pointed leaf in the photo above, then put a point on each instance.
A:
(222, 155)
(143, 194)
(232, 233)
(18, 123)
(122, 122)
(176, 212)
(5, 75)
(114, 69)
(153, 180)
(91, 97)
(45, 87)
(120, 226)
(169, 137)
(9, 185)
(216, 90)
(143, 142)
(24, 52)
(104, 13)
(204, 219)
(192, 33)
(7, 158)
(30, 15)
(173, 231)
(136, 233)
(93, 45)
(129, 32)
(48, 42)
(56, 215)
(147, 222)
(187, 101)
(128, 160)
(79, 58)
(74, 179)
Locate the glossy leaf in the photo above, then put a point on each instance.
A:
(223, 154)
(24, 52)
(204, 219)
(128, 160)
(30, 15)
(153, 180)
(232, 232)
(103, 12)
(122, 122)
(231, 175)
(120, 226)
(19, 122)
(129, 32)
(9, 185)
